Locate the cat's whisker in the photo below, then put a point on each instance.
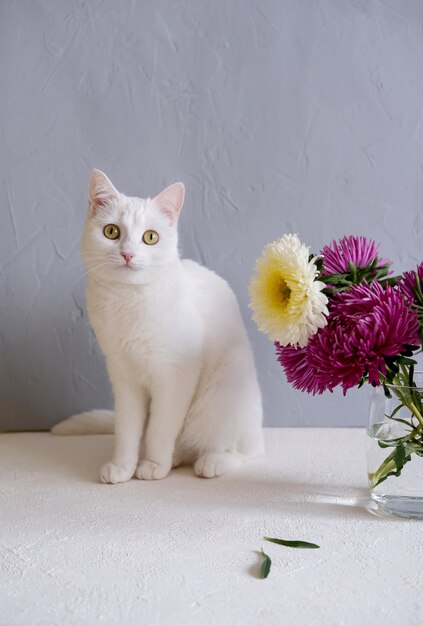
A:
(81, 260)
(80, 255)
(74, 268)
(92, 269)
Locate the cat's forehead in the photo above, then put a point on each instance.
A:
(132, 211)
(133, 207)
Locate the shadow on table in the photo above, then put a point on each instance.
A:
(291, 497)
(79, 458)
(313, 499)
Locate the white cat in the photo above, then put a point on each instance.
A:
(177, 352)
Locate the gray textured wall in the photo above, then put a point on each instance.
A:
(278, 115)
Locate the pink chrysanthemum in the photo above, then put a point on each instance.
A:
(408, 283)
(366, 325)
(350, 249)
(299, 369)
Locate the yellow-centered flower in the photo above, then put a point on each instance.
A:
(287, 300)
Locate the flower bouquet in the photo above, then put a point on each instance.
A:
(340, 318)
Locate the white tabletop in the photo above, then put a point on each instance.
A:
(182, 551)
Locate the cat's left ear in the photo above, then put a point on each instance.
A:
(170, 201)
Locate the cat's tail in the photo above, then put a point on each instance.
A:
(97, 422)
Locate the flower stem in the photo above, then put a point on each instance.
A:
(403, 388)
(416, 413)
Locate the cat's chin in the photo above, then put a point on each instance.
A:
(131, 275)
(123, 275)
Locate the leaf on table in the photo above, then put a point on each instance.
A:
(292, 544)
(266, 565)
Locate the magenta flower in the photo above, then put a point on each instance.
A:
(367, 324)
(300, 369)
(360, 251)
(410, 281)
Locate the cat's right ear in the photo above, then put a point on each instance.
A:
(100, 191)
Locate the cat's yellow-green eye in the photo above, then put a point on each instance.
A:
(150, 237)
(111, 231)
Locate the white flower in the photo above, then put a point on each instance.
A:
(287, 300)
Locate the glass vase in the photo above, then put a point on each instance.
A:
(395, 447)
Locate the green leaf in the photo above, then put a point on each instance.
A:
(292, 544)
(401, 421)
(411, 347)
(382, 478)
(411, 376)
(395, 411)
(404, 360)
(361, 383)
(266, 565)
(400, 457)
(386, 390)
(392, 280)
(391, 443)
(353, 270)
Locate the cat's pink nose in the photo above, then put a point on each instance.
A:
(128, 256)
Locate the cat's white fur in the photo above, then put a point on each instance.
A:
(176, 348)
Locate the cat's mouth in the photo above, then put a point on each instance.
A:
(129, 266)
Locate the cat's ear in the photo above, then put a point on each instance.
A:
(170, 201)
(100, 191)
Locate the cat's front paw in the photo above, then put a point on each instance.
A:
(216, 463)
(150, 470)
(112, 473)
